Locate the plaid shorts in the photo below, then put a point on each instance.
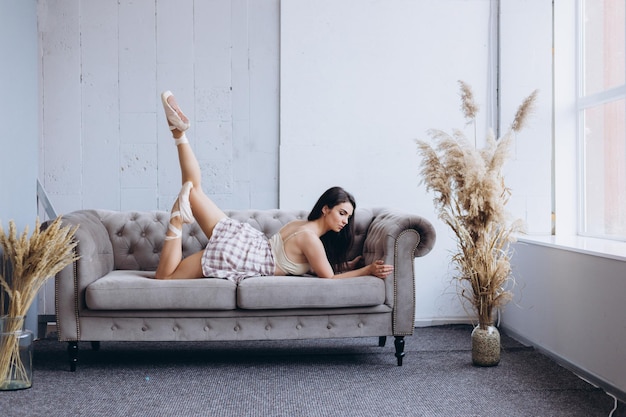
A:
(237, 251)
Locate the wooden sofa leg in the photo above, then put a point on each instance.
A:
(382, 340)
(72, 350)
(399, 342)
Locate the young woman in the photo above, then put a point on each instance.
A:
(236, 250)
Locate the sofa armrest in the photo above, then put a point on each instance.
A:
(399, 238)
(96, 260)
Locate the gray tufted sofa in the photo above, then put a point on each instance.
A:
(109, 293)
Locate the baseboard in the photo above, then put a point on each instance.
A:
(441, 321)
(581, 373)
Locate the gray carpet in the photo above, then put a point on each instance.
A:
(343, 377)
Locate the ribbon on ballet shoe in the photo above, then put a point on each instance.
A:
(178, 233)
(181, 140)
(184, 205)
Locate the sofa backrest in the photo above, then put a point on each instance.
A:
(137, 237)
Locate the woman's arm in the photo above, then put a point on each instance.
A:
(378, 269)
(313, 250)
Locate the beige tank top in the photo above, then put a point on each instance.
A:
(281, 259)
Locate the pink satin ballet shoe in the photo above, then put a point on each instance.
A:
(174, 119)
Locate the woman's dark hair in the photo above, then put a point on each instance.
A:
(336, 244)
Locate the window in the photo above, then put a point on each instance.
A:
(601, 115)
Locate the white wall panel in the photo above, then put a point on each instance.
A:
(175, 31)
(526, 65)
(264, 83)
(61, 101)
(137, 55)
(102, 129)
(138, 163)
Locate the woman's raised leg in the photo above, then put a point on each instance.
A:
(191, 198)
(205, 211)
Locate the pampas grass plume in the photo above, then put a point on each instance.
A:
(468, 105)
(524, 111)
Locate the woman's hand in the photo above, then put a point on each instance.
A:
(379, 269)
(356, 269)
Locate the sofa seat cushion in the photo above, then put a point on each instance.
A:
(138, 290)
(309, 292)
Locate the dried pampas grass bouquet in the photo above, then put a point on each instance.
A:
(471, 197)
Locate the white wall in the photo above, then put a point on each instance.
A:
(570, 305)
(105, 142)
(360, 81)
(19, 109)
(526, 65)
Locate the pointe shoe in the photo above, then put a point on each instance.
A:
(172, 116)
(184, 206)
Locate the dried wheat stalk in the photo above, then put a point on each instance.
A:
(471, 197)
(32, 261)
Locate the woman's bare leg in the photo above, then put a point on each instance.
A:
(205, 211)
(171, 263)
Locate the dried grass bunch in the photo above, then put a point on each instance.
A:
(30, 261)
(471, 197)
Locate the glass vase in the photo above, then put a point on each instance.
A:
(485, 345)
(16, 354)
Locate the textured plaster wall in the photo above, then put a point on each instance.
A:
(104, 140)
